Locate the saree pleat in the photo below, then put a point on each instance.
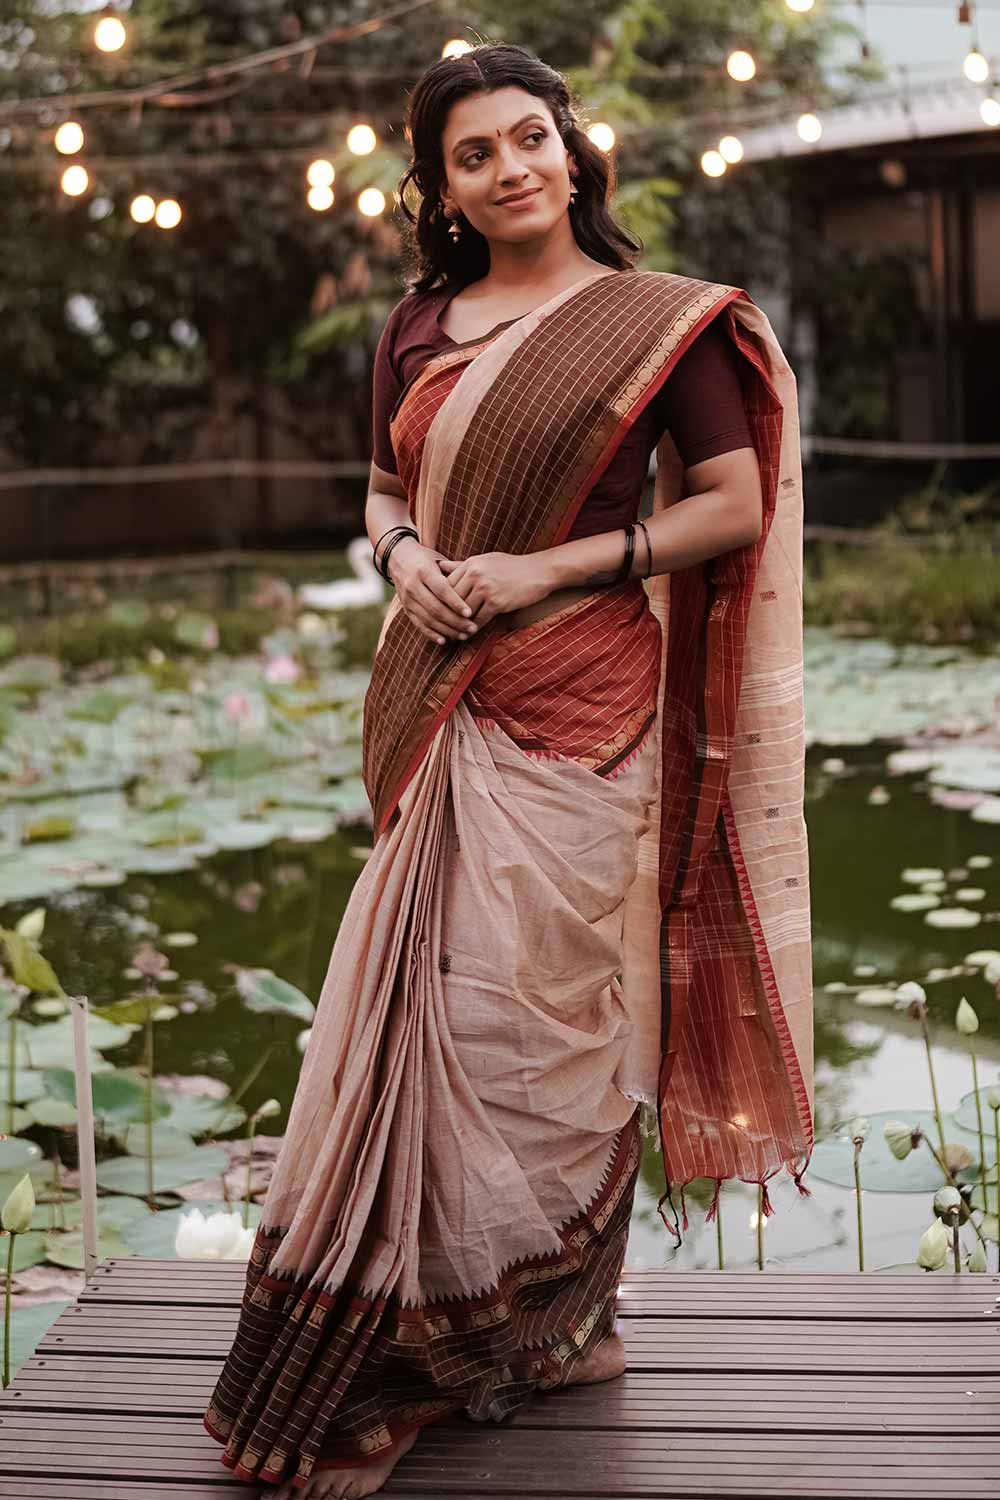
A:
(588, 893)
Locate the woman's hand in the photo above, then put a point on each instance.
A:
(495, 583)
(426, 595)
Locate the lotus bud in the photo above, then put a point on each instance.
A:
(302, 1040)
(32, 924)
(946, 1199)
(977, 1257)
(269, 1108)
(933, 1249)
(966, 1019)
(993, 1096)
(149, 962)
(911, 991)
(991, 972)
(899, 1138)
(15, 1216)
(859, 1128)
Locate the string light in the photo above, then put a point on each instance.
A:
(168, 213)
(713, 163)
(142, 208)
(975, 67)
(741, 66)
(809, 127)
(68, 139)
(361, 139)
(989, 110)
(731, 148)
(800, 6)
(371, 202)
(456, 47)
(109, 33)
(602, 135)
(320, 197)
(320, 173)
(75, 180)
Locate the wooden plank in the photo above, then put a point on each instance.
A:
(38, 1488)
(657, 1402)
(783, 1295)
(728, 1344)
(497, 1459)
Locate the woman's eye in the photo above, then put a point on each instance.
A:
(535, 135)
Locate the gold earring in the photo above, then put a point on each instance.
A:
(572, 191)
(456, 228)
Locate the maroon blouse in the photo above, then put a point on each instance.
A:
(700, 402)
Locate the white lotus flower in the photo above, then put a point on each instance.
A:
(914, 901)
(899, 1138)
(932, 1251)
(979, 861)
(909, 991)
(221, 1236)
(982, 956)
(917, 875)
(860, 1127)
(991, 973)
(970, 893)
(966, 1020)
(833, 764)
(878, 796)
(19, 1205)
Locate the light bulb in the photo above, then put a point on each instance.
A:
(361, 139)
(320, 173)
(799, 5)
(741, 66)
(713, 163)
(68, 138)
(731, 148)
(602, 135)
(989, 109)
(74, 181)
(320, 197)
(109, 33)
(142, 208)
(809, 127)
(371, 202)
(975, 67)
(168, 213)
(456, 47)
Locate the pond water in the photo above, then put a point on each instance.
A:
(880, 823)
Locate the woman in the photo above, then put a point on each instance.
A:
(589, 887)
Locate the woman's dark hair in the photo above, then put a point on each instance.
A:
(436, 257)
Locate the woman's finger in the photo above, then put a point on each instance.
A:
(451, 597)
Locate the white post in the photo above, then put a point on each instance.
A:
(85, 1132)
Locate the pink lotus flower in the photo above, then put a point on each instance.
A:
(236, 706)
(282, 669)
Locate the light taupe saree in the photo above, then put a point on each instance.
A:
(588, 894)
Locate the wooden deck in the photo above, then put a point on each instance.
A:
(756, 1384)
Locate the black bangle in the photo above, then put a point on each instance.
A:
(383, 566)
(400, 526)
(626, 567)
(649, 549)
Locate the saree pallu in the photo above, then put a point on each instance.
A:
(588, 893)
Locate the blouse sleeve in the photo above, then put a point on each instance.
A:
(701, 400)
(386, 388)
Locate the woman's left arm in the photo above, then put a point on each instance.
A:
(723, 510)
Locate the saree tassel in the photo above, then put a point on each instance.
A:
(797, 1177)
(684, 1211)
(766, 1206)
(674, 1227)
(713, 1206)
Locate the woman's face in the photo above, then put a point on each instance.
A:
(502, 143)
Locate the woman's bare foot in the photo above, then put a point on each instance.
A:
(606, 1362)
(345, 1484)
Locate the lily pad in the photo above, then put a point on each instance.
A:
(205, 1116)
(118, 1096)
(167, 1140)
(127, 1174)
(46, 1111)
(29, 1249)
(51, 1045)
(263, 991)
(65, 1247)
(156, 1236)
(18, 1155)
(881, 1172)
(29, 1083)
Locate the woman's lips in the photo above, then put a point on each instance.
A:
(523, 201)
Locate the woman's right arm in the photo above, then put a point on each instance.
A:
(434, 606)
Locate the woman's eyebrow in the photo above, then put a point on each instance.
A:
(468, 140)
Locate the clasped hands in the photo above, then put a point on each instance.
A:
(450, 600)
